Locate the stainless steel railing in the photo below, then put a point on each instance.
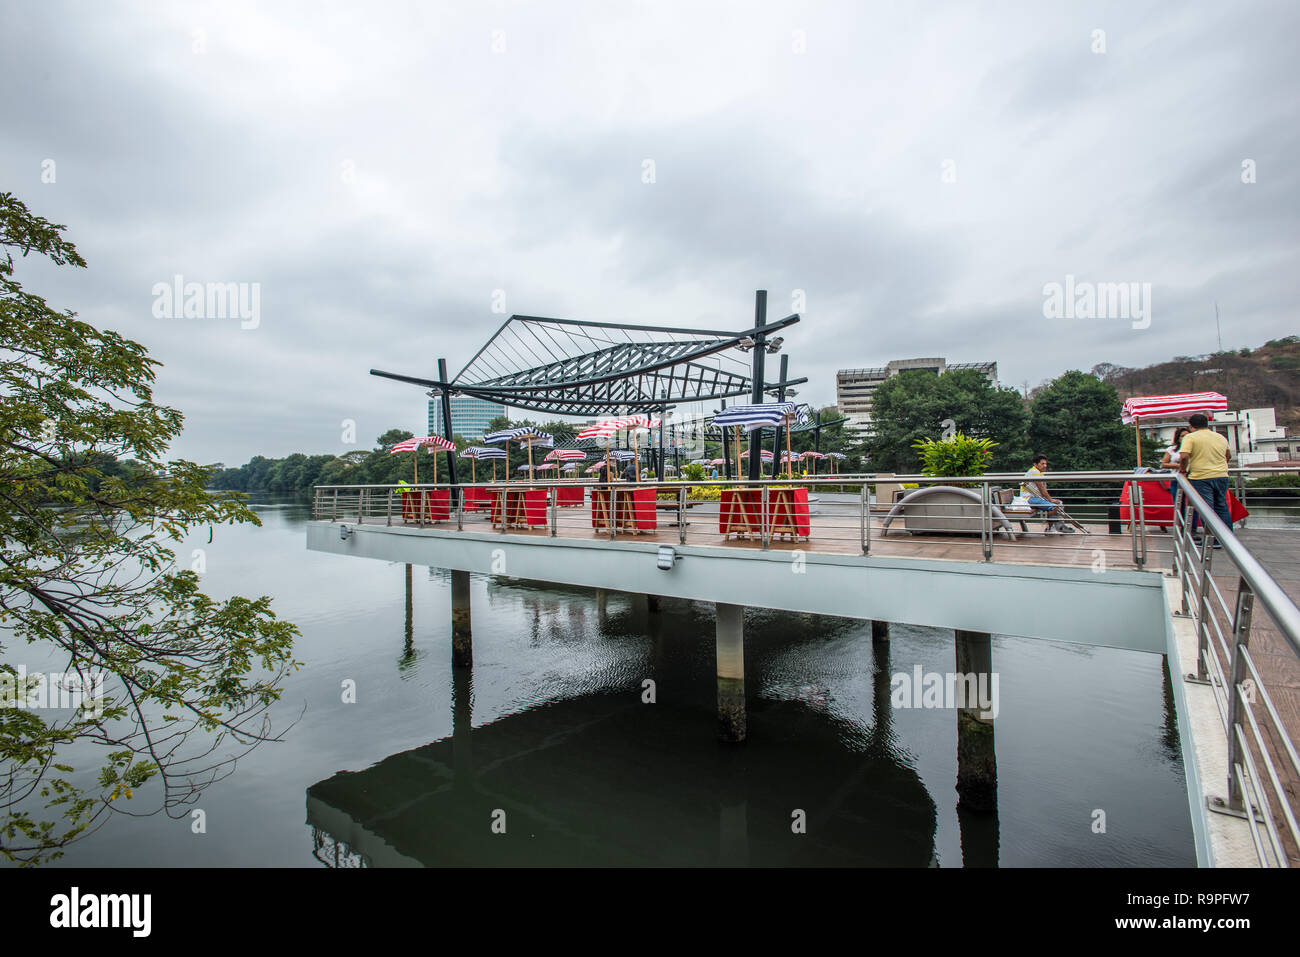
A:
(1259, 745)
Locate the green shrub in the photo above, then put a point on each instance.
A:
(959, 455)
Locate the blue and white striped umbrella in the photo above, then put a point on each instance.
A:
(760, 416)
(622, 455)
(482, 452)
(527, 435)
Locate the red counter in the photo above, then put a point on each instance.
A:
(524, 508)
(570, 495)
(1158, 505)
(478, 499)
(436, 503)
(787, 512)
(636, 509)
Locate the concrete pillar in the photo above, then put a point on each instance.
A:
(652, 604)
(977, 768)
(462, 643)
(879, 630)
(730, 643)
(409, 647)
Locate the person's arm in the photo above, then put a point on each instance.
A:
(1183, 460)
(1164, 462)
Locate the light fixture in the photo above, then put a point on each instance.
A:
(775, 344)
(667, 557)
(344, 532)
(745, 344)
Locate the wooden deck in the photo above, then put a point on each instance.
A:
(835, 530)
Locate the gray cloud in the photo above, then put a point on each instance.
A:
(473, 171)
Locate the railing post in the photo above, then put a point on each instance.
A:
(1241, 494)
(1203, 603)
(763, 523)
(613, 511)
(460, 509)
(389, 508)
(864, 519)
(1236, 704)
(552, 496)
(986, 522)
(361, 506)
(1139, 516)
(681, 514)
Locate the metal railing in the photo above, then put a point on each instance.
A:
(1256, 735)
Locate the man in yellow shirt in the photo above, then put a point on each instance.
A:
(1203, 458)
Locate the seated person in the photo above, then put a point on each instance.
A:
(1034, 490)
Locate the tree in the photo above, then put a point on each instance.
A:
(87, 577)
(917, 405)
(1075, 422)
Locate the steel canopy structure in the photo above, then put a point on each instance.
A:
(583, 368)
(588, 368)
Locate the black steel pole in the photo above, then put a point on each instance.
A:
(726, 452)
(760, 350)
(446, 420)
(776, 446)
(663, 411)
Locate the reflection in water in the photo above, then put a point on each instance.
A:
(600, 778)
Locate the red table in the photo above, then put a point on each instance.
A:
(636, 509)
(741, 510)
(524, 508)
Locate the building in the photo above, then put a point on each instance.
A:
(854, 388)
(469, 416)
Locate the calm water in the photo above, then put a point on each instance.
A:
(550, 729)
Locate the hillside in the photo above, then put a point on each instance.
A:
(1267, 377)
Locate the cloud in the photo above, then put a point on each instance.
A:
(380, 173)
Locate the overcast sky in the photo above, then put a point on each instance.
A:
(920, 171)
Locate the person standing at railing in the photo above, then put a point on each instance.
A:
(1203, 457)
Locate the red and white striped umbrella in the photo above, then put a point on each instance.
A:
(1168, 407)
(1172, 406)
(412, 444)
(766, 455)
(566, 455)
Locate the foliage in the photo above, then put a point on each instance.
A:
(917, 405)
(958, 455)
(693, 471)
(1286, 485)
(1075, 422)
(88, 511)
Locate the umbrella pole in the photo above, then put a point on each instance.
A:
(415, 463)
(435, 468)
(1137, 438)
(789, 462)
(530, 463)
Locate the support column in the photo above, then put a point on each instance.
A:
(408, 649)
(977, 768)
(652, 604)
(879, 630)
(730, 643)
(462, 643)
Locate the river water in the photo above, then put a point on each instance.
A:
(548, 754)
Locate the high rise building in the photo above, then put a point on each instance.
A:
(469, 416)
(854, 388)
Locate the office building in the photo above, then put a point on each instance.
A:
(854, 388)
(469, 416)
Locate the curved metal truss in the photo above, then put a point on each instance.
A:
(582, 368)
